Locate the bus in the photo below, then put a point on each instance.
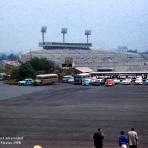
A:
(78, 78)
(45, 79)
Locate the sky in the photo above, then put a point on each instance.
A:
(113, 23)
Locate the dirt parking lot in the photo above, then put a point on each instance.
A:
(66, 116)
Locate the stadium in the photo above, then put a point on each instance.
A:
(81, 56)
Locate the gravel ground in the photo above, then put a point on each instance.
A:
(66, 116)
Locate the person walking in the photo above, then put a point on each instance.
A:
(123, 141)
(98, 138)
(132, 138)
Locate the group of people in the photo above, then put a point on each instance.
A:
(130, 140)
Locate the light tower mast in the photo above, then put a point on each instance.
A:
(64, 31)
(87, 33)
(43, 31)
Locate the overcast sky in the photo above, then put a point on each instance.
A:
(113, 22)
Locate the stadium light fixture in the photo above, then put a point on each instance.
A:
(87, 33)
(64, 31)
(43, 31)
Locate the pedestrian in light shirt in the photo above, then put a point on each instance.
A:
(132, 138)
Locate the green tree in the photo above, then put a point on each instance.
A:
(33, 67)
(42, 65)
(22, 72)
(26, 70)
(2, 69)
(15, 74)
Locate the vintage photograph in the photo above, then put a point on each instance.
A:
(73, 74)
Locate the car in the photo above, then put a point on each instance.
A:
(146, 82)
(71, 80)
(126, 81)
(66, 78)
(25, 82)
(78, 78)
(139, 81)
(87, 82)
(98, 82)
(109, 82)
(3, 76)
(116, 81)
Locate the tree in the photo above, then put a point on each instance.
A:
(22, 72)
(15, 74)
(42, 65)
(33, 67)
(26, 70)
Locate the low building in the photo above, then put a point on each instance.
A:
(10, 63)
(83, 69)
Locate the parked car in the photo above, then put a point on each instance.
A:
(139, 81)
(109, 82)
(146, 82)
(126, 81)
(98, 82)
(71, 80)
(87, 82)
(116, 81)
(25, 82)
(3, 76)
(78, 78)
(66, 78)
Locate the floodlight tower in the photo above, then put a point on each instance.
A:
(64, 31)
(87, 33)
(43, 30)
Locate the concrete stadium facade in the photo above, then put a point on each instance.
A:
(95, 59)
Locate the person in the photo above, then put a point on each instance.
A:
(98, 138)
(123, 141)
(132, 138)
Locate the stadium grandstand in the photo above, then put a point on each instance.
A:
(98, 60)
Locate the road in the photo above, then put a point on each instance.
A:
(66, 116)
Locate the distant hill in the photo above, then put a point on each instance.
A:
(11, 56)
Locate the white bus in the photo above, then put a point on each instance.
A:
(45, 79)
